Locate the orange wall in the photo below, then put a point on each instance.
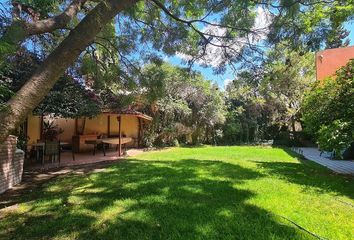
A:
(330, 60)
(99, 125)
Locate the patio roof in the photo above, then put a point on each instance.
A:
(128, 112)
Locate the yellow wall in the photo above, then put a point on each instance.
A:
(97, 125)
(33, 128)
(129, 125)
(68, 125)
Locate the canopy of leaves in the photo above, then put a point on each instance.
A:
(223, 32)
(69, 99)
(311, 24)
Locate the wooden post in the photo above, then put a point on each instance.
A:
(83, 126)
(139, 131)
(120, 135)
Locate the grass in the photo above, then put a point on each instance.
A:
(191, 193)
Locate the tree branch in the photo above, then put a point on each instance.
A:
(19, 30)
(57, 22)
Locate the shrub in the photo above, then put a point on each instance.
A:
(336, 136)
(328, 110)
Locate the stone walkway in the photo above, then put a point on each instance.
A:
(339, 166)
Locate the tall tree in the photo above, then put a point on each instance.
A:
(182, 104)
(288, 75)
(263, 102)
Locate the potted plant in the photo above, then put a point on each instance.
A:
(51, 131)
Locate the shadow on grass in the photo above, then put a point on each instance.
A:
(187, 199)
(310, 174)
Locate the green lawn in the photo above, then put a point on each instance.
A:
(191, 193)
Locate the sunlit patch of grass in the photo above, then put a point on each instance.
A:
(191, 193)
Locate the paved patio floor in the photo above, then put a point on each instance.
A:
(66, 159)
(338, 166)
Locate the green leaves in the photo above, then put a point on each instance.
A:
(266, 101)
(9, 41)
(310, 24)
(182, 103)
(337, 136)
(328, 110)
(70, 100)
(67, 99)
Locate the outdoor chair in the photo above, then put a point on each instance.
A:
(67, 149)
(51, 149)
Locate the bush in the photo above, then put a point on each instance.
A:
(328, 111)
(336, 136)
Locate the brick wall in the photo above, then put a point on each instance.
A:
(11, 164)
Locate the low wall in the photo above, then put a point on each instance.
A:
(11, 164)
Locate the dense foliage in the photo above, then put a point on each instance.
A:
(186, 108)
(328, 110)
(264, 103)
(68, 98)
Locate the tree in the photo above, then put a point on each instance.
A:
(338, 38)
(44, 78)
(190, 28)
(183, 104)
(311, 24)
(247, 115)
(20, 29)
(288, 75)
(266, 101)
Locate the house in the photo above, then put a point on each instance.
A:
(330, 60)
(110, 124)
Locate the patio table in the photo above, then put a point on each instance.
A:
(113, 141)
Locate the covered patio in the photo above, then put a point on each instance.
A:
(106, 137)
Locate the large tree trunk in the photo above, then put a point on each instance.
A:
(38, 86)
